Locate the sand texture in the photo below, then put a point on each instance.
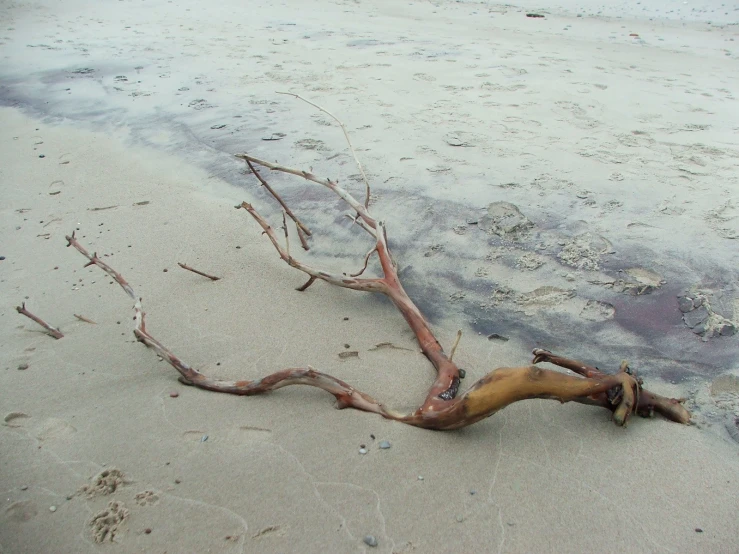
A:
(567, 182)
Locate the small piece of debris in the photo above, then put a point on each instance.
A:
(384, 445)
(370, 540)
(23, 366)
(698, 530)
(41, 156)
(420, 477)
(349, 354)
(204, 438)
(52, 508)
(24, 488)
(147, 531)
(363, 451)
(536, 15)
(496, 336)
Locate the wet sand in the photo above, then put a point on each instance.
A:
(562, 182)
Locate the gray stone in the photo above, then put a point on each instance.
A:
(370, 540)
(685, 304)
(696, 317)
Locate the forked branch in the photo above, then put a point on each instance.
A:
(443, 408)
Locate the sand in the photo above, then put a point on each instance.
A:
(567, 182)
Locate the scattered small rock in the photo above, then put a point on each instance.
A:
(24, 488)
(420, 477)
(52, 509)
(384, 445)
(147, 531)
(41, 156)
(534, 15)
(370, 540)
(698, 530)
(362, 451)
(496, 336)
(23, 366)
(204, 438)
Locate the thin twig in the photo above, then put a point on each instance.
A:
(366, 261)
(287, 235)
(328, 183)
(348, 140)
(188, 268)
(308, 283)
(456, 343)
(364, 284)
(302, 229)
(83, 318)
(53, 331)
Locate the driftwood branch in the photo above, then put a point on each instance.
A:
(302, 229)
(188, 268)
(348, 141)
(443, 408)
(53, 331)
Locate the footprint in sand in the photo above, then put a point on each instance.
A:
(146, 498)
(16, 419)
(21, 511)
(597, 311)
(49, 429)
(104, 483)
(53, 428)
(108, 523)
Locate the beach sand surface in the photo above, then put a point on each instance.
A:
(614, 155)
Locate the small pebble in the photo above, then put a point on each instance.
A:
(24, 488)
(178, 481)
(147, 531)
(41, 156)
(174, 394)
(369, 540)
(698, 530)
(384, 445)
(204, 438)
(23, 366)
(420, 477)
(362, 451)
(460, 519)
(52, 508)
(2, 258)
(473, 492)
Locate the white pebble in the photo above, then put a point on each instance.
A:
(52, 508)
(363, 451)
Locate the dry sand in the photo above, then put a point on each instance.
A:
(558, 181)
